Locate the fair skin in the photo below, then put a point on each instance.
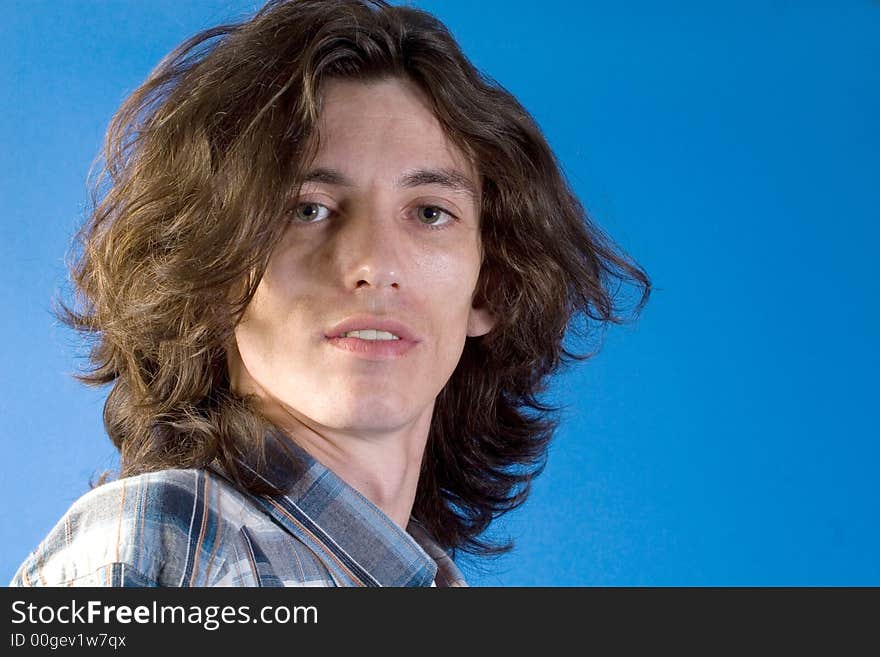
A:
(361, 243)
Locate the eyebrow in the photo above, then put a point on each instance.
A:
(449, 178)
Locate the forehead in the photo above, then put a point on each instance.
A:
(388, 121)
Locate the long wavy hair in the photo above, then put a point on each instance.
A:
(187, 207)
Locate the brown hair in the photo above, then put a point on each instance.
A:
(198, 162)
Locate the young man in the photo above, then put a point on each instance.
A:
(332, 268)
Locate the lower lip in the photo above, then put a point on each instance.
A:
(373, 349)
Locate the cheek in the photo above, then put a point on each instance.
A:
(449, 288)
(267, 328)
(257, 323)
(457, 276)
(453, 271)
(282, 294)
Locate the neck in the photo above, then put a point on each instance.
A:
(383, 467)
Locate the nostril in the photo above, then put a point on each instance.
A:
(366, 283)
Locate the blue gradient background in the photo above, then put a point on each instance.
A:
(726, 438)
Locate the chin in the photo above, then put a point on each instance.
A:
(369, 413)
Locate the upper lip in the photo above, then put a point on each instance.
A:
(362, 322)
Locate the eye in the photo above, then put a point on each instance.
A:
(431, 214)
(310, 213)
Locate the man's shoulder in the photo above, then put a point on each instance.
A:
(163, 528)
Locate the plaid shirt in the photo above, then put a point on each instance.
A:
(194, 528)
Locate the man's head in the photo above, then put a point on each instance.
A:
(276, 177)
(386, 229)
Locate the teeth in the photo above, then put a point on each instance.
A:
(370, 334)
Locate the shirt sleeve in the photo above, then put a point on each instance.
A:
(155, 529)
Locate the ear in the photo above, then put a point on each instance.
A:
(480, 322)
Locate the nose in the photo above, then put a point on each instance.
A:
(372, 248)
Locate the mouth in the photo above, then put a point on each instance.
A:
(377, 349)
(373, 337)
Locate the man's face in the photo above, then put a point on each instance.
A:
(369, 238)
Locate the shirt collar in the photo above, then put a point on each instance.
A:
(361, 544)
